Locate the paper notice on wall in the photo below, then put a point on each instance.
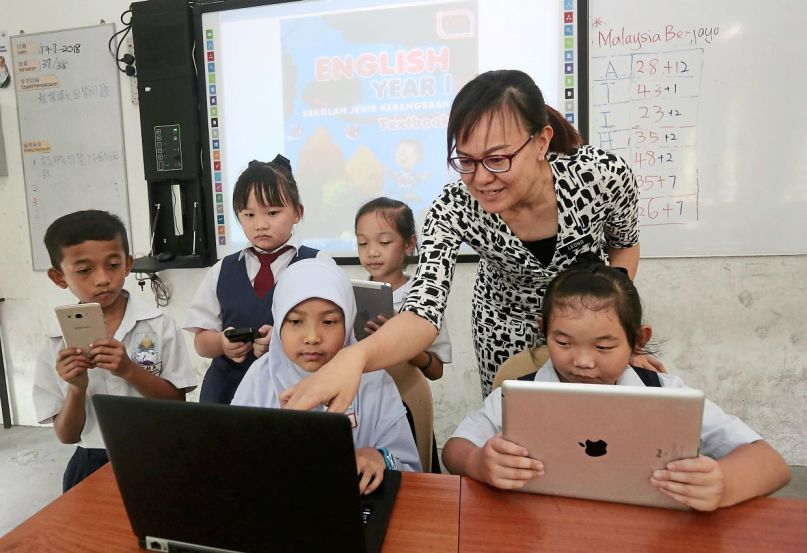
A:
(5, 71)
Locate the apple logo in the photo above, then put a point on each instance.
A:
(594, 449)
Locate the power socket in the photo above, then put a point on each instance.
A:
(128, 46)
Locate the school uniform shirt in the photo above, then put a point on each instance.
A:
(152, 340)
(204, 312)
(597, 200)
(721, 432)
(442, 344)
(377, 413)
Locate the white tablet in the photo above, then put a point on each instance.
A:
(372, 299)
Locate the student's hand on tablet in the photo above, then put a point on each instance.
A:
(647, 361)
(261, 345)
(370, 465)
(334, 385)
(505, 465)
(696, 482)
(237, 351)
(375, 324)
(71, 366)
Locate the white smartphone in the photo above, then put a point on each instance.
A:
(372, 299)
(81, 324)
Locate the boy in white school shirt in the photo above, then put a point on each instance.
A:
(145, 355)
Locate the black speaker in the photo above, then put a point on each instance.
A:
(180, 203)
(162, 32)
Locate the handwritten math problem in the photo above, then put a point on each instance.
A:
(645, 107)
(704, 102)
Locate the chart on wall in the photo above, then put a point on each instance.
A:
(71, 130)
(704, 100)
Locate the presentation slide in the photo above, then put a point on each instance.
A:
(357, 95)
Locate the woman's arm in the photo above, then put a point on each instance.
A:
(622, 222)
(628, 258)
(429, 364)
(408, 333)
(337, 382)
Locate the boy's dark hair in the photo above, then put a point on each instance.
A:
(507, 90)
(273, 184)
(80, 226)
(595, 285)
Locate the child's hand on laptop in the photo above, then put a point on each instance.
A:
(696, 482)
(370, 465)
(71, 366)
(503, 464)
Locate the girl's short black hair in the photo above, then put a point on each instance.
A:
(273, 184)
(590, 283)
(396, 213)
(77, 227)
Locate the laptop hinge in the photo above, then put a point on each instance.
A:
(160, 544)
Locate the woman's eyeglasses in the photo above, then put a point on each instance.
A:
(497, 163)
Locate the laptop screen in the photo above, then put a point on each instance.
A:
(236, 478)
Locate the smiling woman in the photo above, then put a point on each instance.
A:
(531, 199)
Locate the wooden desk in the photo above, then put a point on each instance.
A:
(91, 518)
(493, 521)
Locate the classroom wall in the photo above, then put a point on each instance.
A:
(736, 327)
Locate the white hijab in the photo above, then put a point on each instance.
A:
(274, 371)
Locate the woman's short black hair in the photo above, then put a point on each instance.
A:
(496, 93)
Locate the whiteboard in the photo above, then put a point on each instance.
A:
(705, 99)
(71, 129)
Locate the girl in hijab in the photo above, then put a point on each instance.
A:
(314, 300)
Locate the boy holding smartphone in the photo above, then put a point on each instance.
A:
(143, 355)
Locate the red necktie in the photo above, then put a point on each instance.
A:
(265, 280)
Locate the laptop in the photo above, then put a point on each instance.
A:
(602, 442)
(372, 299)
(206, 477)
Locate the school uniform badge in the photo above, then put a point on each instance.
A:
(146, 353)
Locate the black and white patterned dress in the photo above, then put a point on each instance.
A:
(597, 209)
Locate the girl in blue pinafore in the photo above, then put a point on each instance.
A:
(237, 291)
